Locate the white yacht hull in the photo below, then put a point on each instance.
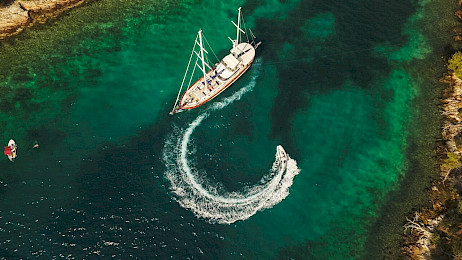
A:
(200, 93)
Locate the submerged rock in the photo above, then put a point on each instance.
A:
(457, 30)
(459, 14)
(40, 10)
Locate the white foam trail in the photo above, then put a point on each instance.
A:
(223, 207)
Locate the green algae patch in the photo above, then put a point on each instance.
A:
(320, 27)
(417, 46)
(275, 9)
(288, 51)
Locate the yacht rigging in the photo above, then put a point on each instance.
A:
(214, 80)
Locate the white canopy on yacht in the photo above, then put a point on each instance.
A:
(231, 62)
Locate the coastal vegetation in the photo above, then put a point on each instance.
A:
(455, 64)
(453, 161)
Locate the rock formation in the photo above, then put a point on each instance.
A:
(20, 14)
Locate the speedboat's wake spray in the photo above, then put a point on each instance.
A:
(216, 205)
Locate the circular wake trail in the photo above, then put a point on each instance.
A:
(210, 202)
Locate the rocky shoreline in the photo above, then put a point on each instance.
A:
(435, 232)
(21, 14)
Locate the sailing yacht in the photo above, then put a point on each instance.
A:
(215, 79)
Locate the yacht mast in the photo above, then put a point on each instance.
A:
(238, 26)
(202, 57)
(238, 29)
(184, 77)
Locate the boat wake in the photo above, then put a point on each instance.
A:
(214, 204)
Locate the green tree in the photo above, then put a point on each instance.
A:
(455, 64)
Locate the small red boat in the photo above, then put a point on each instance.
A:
(11, 150)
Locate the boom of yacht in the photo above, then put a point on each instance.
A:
(214, 80)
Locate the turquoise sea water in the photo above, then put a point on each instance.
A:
(336, 83)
